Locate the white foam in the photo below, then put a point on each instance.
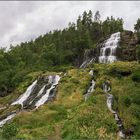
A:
(53, 80)
(110, 44)
(24, 96)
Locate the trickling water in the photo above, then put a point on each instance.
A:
(53, 80)
(2, 122)
(86, 63)
(27, 93)
(91, 72)
(110, 101)
(91, 88)
(111, 44)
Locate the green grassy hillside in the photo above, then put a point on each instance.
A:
(68, 116)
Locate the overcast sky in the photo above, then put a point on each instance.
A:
(25, 20)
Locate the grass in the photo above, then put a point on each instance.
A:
(69, 117)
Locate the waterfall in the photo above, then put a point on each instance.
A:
(91, 72)
(41, 91)
(110, 101)
(86, 63)
(2, 122)
(39, 97)
(109, 47)
(27, 93)
(91, 88)
(53, 80)
(39, 94)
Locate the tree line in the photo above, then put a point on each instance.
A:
(56, 49)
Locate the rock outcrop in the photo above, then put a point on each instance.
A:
(127, 51)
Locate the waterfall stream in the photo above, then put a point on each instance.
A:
(86, 63)
(27, 93)
(91, 87)
(3, 121)
(108, 51)
(110, 102)
(45, 92)
(53, 80)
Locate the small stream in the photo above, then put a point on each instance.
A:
(91, 86)
(3, 121)
(110, 102)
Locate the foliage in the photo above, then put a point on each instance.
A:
(138, 53)
(9, 131)
(137, 28)
(54, 50)
(136, 76)
(69, 117)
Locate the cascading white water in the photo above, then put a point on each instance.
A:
(39, 93)
(53, 80)
(91, 88)
(27, 93)
(86, 63)
(2, 122)
(110, 100)
(111, 44)
(91, 72)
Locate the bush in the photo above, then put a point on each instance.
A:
(138, 53)
(136, 99)
(135, 110)
(119, 72)
(127, 101)
(136, 76)
(9, 131)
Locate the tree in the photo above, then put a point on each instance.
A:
(137, 28)
(89, 19)
(138, 53)
(112, 25)
(84, 19)
(97, 17)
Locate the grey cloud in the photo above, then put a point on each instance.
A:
(23, 21)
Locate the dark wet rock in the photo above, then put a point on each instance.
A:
(107, 52)
(127, 51)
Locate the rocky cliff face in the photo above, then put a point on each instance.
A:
(127, 51)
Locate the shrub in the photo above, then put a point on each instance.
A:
(9, 131)
(136, 76)
(136, 99)
(119, 72)
(127, 101)
(135, 110)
